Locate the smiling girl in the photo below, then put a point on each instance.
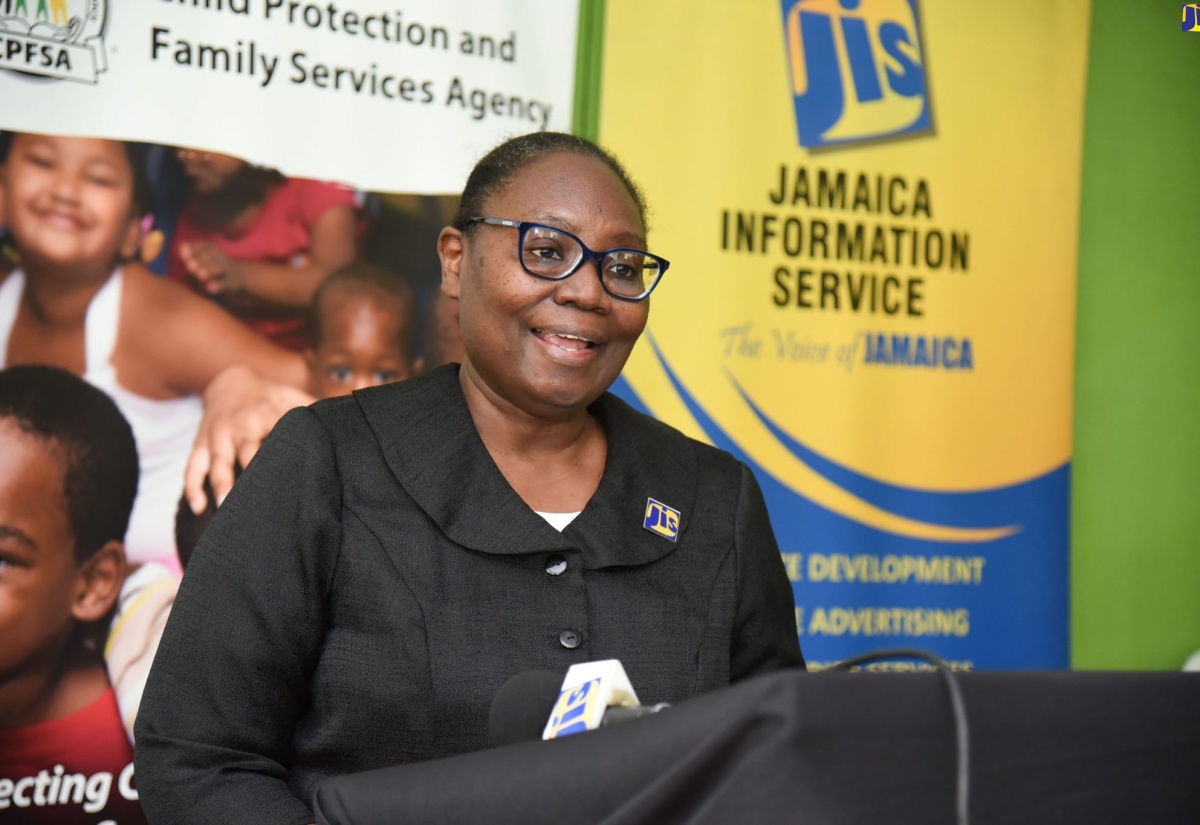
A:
(73, 208)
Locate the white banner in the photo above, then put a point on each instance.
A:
(388, 96)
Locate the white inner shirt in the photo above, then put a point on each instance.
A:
(559, 521)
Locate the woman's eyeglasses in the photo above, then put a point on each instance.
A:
(555, 254)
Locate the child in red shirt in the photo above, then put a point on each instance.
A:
(260, 243)
(68, 477)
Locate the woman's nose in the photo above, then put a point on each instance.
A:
(583, 288)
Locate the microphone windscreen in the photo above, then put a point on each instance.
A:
(522, 706)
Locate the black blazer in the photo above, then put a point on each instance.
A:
(373, 580)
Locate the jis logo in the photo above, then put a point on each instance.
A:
(1191, 17)
(571, 711)
(661, 519)
(857, 70)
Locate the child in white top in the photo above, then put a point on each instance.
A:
(73, 207)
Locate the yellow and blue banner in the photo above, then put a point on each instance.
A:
(871, 208)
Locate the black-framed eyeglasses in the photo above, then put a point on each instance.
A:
(555, 254)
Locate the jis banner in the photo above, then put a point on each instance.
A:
(871, 209)
(397, 97)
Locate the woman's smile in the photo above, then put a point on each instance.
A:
(569, 345)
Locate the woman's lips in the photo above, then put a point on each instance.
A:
(567, 347)
(564, 340)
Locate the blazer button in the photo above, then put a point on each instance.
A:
(556, 565)
(569, 639)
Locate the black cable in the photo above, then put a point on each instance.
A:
(957, 707)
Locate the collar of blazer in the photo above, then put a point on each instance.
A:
(432, 447)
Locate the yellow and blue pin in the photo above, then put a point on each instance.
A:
(661, 520)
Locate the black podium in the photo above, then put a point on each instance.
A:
(1047, 747)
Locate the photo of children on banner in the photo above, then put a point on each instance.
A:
(260, 243)
(78, 231)
(76, 297)
(68, 478)
(79, 227)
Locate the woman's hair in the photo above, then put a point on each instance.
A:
(92, 441)
(494, 171)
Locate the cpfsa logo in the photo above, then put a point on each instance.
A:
(62, 39)
(857, 71)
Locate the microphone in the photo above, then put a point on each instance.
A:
(592, 695)
(522, 706)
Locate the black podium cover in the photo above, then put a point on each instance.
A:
(1049, 747)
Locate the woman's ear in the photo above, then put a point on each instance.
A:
(98, 583)
(450, 250)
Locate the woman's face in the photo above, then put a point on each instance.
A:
(69, 201)
(548, 348)
(209, 171)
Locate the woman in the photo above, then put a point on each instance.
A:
(390, 559)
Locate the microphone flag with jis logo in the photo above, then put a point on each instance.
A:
(587, 691)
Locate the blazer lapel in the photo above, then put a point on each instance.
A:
(646, 460)
(432, 447)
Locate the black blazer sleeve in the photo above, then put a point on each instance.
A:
(230, 678)
(764, 630)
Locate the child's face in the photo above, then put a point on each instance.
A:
(361, 346)
(69, 201)
(39, 578)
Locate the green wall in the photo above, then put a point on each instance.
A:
(1135, 516)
